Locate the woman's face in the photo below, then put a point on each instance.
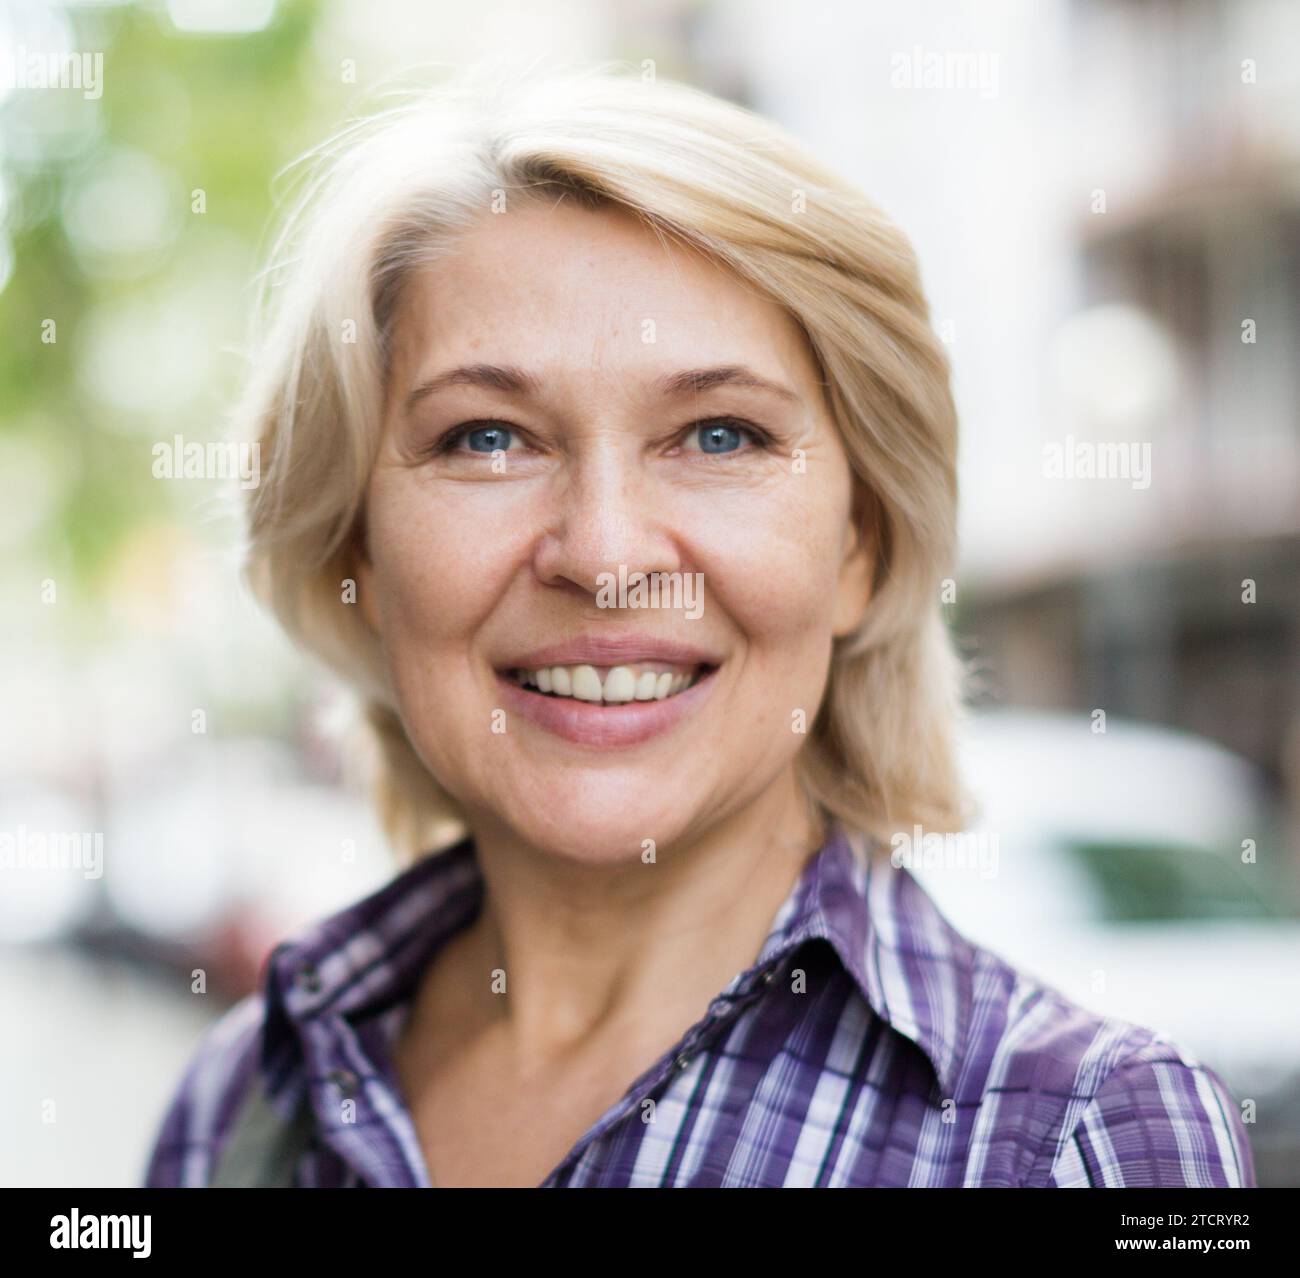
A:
(621, 407)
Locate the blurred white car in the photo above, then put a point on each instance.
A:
(1116, 867)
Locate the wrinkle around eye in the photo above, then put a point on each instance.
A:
(452, 443)
(762, 442)
(426, 444)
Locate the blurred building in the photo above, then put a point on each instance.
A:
(1105, 198)
(1187, 610)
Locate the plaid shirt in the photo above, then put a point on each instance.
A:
(869, 1044)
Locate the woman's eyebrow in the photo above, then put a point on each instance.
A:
(500, 377)
(693, 381)
(511, 380)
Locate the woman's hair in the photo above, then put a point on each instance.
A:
(392, 191)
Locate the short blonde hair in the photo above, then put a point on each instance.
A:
(393, 190)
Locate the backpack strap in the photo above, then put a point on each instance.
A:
(261, 1149)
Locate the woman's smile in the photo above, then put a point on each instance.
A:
(605, 724)
(609, 685)
(605, 690)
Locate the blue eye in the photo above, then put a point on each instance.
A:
(721, 436)
(487, 439)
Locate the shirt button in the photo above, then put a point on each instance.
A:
(683, 1060)
(345, 1080)
(769, 976)
(309, 978)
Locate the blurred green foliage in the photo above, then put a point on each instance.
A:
(221, 114)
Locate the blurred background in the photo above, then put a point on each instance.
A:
(1105, 198)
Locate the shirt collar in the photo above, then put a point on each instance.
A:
(907, 961)
(912, 967)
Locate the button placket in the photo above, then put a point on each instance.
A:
(697, 1041)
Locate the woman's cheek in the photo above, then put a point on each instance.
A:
(443, 560)
(772, 572)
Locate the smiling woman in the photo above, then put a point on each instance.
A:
(524, 338)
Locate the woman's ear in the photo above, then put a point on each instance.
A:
(363, 570)
(857, 568)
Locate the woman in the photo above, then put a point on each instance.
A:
(608, 451)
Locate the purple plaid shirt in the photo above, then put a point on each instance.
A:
(869, 1044)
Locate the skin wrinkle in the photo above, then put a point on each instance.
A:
(608, 960)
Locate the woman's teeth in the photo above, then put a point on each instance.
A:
(619, 683)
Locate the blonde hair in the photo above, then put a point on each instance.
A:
(393, 190)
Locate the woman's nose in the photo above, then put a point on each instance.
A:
(604, 515)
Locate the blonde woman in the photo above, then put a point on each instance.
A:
(609, 453)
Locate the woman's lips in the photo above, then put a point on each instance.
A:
(603, 724)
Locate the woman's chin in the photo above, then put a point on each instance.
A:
(616, 837)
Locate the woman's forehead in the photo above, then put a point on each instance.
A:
(568, 289)
(577, 259)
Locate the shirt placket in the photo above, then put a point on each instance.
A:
(376, 1142)
(723, 1011)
